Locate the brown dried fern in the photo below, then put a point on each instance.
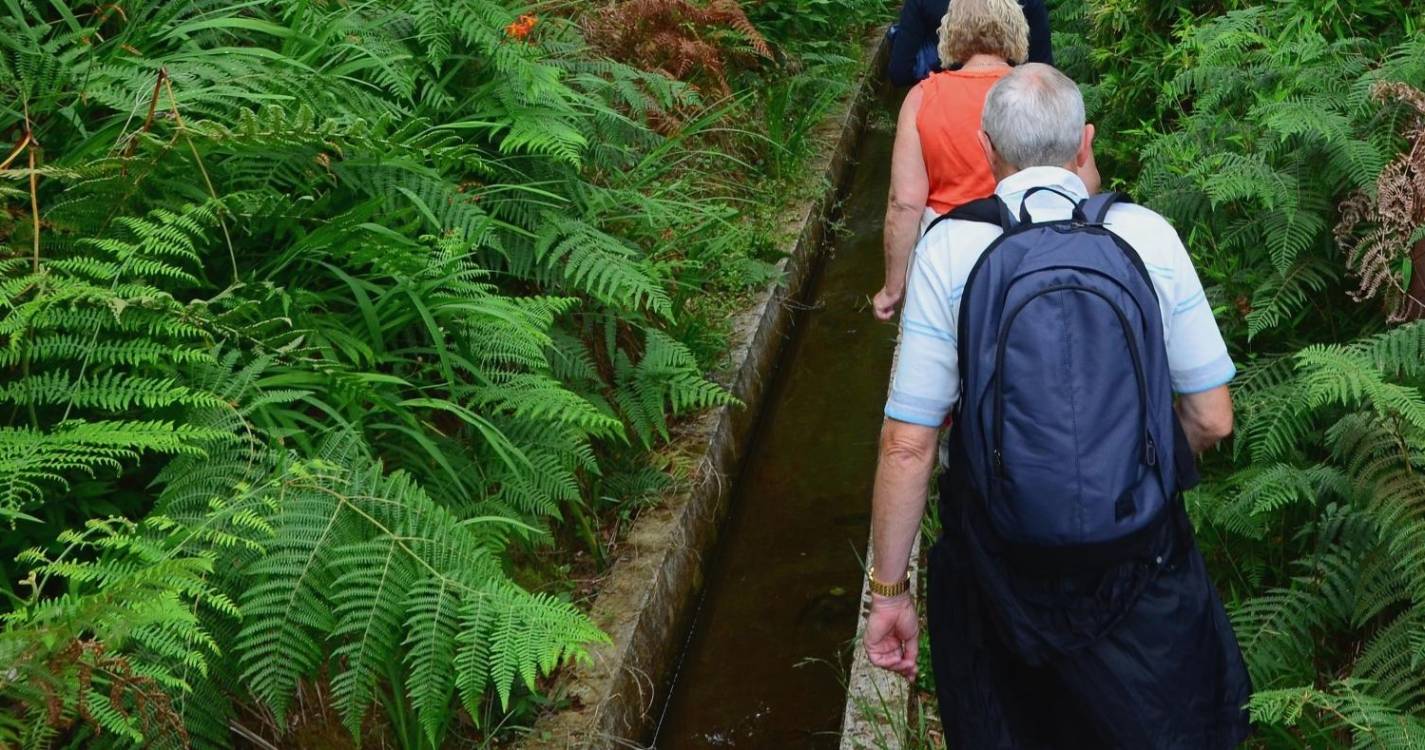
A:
(677, 38)
(66, 680)
(735, 17)
(1393, 218)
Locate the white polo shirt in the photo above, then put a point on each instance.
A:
(925, 384)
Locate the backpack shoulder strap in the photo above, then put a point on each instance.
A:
(1093, 213)
(1095, 209)
(988, 210)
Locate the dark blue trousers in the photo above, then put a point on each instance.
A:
(1164, 673)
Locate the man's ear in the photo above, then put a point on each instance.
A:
(1085, 146)
(987, 146)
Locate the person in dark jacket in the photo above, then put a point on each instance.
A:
(916, 34)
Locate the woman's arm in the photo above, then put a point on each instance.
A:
(905, 207)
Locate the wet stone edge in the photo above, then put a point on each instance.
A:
(646, 603)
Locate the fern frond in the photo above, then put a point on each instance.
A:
(600, 265)
(1335, 374)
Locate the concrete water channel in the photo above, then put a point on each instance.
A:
(767, 659)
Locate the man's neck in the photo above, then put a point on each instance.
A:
(1001, 170)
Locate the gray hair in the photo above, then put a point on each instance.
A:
(1034, 117)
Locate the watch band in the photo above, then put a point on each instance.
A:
(886, 589)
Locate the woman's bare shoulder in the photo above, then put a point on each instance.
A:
(917, 92)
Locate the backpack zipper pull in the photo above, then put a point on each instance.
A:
(998, 462)
(1150, 451)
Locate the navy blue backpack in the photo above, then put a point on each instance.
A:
(927, 58)
(1065, 431)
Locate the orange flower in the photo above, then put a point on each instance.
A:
(521, 28)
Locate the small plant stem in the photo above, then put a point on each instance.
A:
(35, 209)
(30, 144)
(178, 118)
(586, 533)
(19, 149)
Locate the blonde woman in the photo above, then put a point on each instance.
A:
(916, 38)
(937, 163)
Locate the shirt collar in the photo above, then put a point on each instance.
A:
(1012, 188)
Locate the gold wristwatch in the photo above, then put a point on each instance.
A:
(886, 589)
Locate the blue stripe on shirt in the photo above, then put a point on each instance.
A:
(919, 403)
(908, 418)
(1190, 303)
(1163, 271)
(1216, 373)
(928, 330)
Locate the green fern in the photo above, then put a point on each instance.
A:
(344, 302)
(664, 380)
(1275, 132)
(128, 627)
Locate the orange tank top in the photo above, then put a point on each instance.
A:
(950, 107)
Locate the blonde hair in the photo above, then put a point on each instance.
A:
(984, 27)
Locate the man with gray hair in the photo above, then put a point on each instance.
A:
(1071, 337)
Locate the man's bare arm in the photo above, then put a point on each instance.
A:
(892, 635)
(907, 458)
(1206, 417)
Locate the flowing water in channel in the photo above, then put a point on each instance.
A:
(767, 657)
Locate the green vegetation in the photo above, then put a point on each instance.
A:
(1277, 139)
(340, 338)
(336, 335)
(1284, 141)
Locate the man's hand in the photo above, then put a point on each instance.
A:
(893, 634)
(886, 301)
